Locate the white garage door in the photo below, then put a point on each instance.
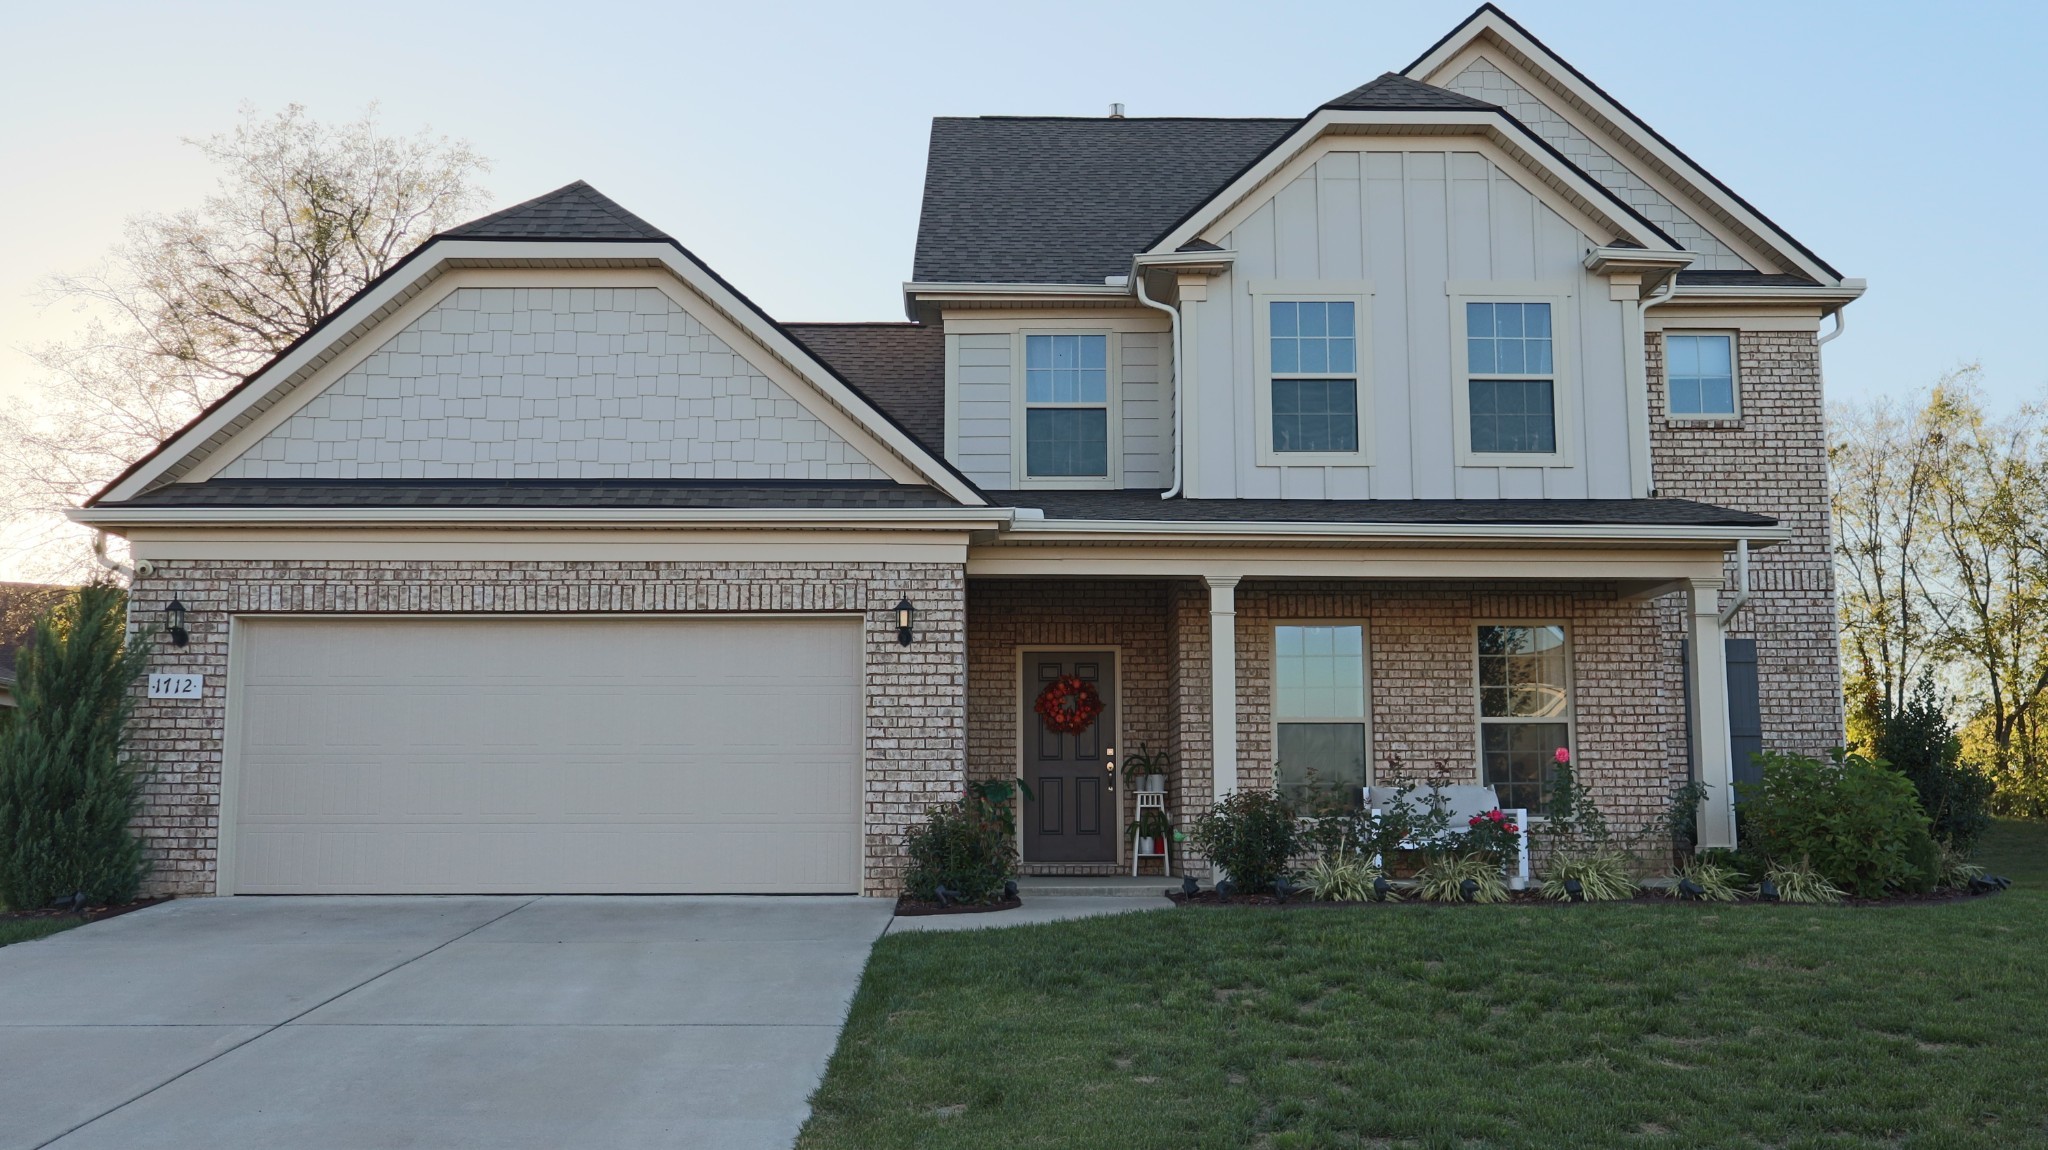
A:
(545, 755)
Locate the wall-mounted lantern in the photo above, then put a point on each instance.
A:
(906, 616)
(174, 622)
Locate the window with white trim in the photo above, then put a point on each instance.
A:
(1525, 709)
(1066, 406)
(1319, 715)
(1511, 378)
(1313, 346)
(1699, 375)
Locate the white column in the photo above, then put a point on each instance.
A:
(1712, 747)
(1223, 681)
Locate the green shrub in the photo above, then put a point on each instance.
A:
(1852, 820)
(1251, 836)
(960, 849)
(1919, 742)
(1923, 861)
(67, 791)
(1719, 881)
(1340, 878)
(1955, 870)
(1800, 882)
(1748, 864)
(1443, 878)
(1604, 876)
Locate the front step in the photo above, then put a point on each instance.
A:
(1122, 886)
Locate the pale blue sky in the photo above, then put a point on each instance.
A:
(785, 143)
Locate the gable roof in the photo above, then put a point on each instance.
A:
(573, 211)
(900, 367)
(1488, 20)
(1068, 200)
(1392, 92)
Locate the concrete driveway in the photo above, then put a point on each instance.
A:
(219, 1024)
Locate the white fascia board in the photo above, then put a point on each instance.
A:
(1830, 298)
(1555, 70)
(1602, 258)
(1497, 125)
(441, 254)
(1107, 530)
(1177, 259)
(949, 518)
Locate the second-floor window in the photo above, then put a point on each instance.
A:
(1700, 372)
(1066, 406)
(1315, 375)
(1512, 383)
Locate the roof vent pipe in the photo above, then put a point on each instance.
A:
(1116, 111)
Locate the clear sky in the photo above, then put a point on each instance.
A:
(785, 143)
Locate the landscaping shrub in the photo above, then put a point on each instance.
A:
(1800, 881)
(1603, 876)
(1954, 870)
(1251, 836)
(1718, 882)
(1340, 878)
(958, 847)
(67, 793)
(1443, 878)
(1852, 820)
(1919, 742)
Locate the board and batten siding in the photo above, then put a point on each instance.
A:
(1409, 223)
(983, 378)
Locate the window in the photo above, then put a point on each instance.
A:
(1511, 378)
(1066, 406)
(1314, 395)
(1314, 353)
(1699, 370)
(1524, 710)
(1319, 714)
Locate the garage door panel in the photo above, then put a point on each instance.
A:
(548, 755)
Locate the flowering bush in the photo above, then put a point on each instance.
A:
(1493, 833)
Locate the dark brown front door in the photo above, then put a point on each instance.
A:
(1071, 816)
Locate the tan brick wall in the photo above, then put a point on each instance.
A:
(1771, 460)
(915, 729)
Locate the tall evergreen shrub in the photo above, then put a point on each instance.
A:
(1919, 742)
(66, 793)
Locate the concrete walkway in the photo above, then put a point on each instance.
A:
(225, 1024)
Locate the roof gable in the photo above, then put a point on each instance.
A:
(1394, 92)
(574, 211)
(1613, 144)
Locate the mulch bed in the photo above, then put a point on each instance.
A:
(1534, 897)
(908, 907)
(90, 914)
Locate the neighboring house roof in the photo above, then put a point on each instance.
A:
(691, 494)
(574, 211)
(1148, 506)
(1392, 92)
(1061, 200)
(900, 367)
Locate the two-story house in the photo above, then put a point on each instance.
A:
(1463, 419)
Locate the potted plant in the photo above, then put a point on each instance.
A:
(1152, 829)
(1147, 769)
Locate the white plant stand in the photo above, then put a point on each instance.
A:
(1151, 801)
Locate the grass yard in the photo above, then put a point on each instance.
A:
(1622, 1025)
(29, 929)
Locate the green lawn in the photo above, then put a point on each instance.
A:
(1629, 1025)
(26, 930)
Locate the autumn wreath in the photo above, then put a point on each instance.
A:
(1069, 705)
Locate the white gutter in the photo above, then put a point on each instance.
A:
(1664, 292)
(794, 518)
(99, 552)
(1173, 318)
(1741, 581)
(1477, 532)
(1841, 325)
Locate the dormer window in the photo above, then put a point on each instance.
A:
(1513, 392)
(1314, 402)
(1066, 406)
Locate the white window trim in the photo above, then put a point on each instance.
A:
(1273, 688)
(1020, 450)
(1564, 389)
(1358, 293)
(1570, 719)
(1734, 374)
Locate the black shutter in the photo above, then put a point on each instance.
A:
(1745, 708)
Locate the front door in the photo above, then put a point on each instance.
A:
(1071, 814)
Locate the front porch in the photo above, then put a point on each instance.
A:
(1364, 680)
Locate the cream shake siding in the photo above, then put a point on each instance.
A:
(553, 383)
(1409, 224)
(1481, 80)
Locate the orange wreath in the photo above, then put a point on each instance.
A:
(1069, 705)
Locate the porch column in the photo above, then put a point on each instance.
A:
(1711, 745)
(1223, 681)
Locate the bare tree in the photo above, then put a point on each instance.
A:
(188, 304)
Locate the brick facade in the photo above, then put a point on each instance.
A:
(1772, 459)
(915, 727)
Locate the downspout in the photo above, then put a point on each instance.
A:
(1173, 317)
(1669, 289)
(1741, 582)
(99, 552)
(1841, 324)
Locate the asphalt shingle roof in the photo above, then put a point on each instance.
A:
(572, 212)
(1395, 93)
(1148, 506)
(1068, 201)
(682, 494)
(899, 367)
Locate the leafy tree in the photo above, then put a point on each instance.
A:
(1881, 470)
(67, 791)
(188, 304)
(1918, 741)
